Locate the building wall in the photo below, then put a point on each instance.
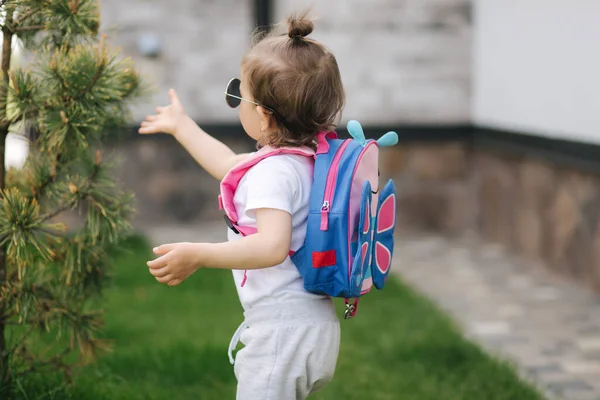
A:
(535, 73)
(535, 67)
(200, 42)
(401, 61)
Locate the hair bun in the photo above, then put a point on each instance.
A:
(299, 26)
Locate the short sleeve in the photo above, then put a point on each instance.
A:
(272, 183)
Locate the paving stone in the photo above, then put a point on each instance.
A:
(588, 343)
(548, 327)
(546, 294)
(582, 367)
(580, 395)
(490, 328)
(553, 352)
(510, 310)
(547, 369)
(571, 385)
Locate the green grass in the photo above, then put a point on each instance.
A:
(171, 343)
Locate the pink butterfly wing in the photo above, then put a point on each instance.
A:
(383, 258)
(365, 250)
(387, 214)
(383, 246)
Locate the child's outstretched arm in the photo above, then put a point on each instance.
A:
(213, 155)
(266, 248)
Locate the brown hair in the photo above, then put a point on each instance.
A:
(297, 77)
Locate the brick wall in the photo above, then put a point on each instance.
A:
(201, 42)
(402, 61)
(434, 185)
(547, 212)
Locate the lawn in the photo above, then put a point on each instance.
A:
(171, 343)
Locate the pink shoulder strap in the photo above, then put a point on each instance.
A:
(232, 180)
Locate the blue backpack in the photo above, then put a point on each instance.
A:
(350, 238)
(350, 235)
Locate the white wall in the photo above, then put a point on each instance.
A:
(537, 67)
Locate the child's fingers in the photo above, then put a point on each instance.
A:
(147, 130)
(160, 109)
(163, 249)
(174, 282)
(165, 279)
(160, 262)
(150, 125)
(173, 97)
(160, 272)
(152, 118)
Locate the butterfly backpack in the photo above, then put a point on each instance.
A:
(350, 234)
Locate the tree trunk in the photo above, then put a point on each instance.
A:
(5, 65)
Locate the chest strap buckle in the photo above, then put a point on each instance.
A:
(230, 224)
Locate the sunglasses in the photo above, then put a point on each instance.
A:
(233, 97)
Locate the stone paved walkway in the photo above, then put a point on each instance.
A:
(548, 327)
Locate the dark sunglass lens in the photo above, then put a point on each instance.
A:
(233, 89)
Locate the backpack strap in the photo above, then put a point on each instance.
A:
(322, 143)
(232, 180)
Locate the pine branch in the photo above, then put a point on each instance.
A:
(95, 79)
(60, 79)
(53, 233)
(48, 180)
(72, 203)
(29, 28)
(26, 16)
(59, 210)
(45, 183)
(99, 71)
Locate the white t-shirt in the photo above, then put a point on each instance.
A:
(280, 182)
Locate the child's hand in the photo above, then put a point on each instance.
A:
(167, 119)
(177, 261)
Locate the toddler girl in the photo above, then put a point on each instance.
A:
(290, 89)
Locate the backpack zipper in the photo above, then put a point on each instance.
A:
(330, 185)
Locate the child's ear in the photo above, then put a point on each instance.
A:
(266, 118)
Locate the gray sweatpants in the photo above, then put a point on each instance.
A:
(290, 350)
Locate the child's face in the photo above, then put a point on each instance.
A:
(254, 119)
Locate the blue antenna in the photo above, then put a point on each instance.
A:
(356, 131)
(388, 140)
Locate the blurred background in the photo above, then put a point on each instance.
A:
(496, 104)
